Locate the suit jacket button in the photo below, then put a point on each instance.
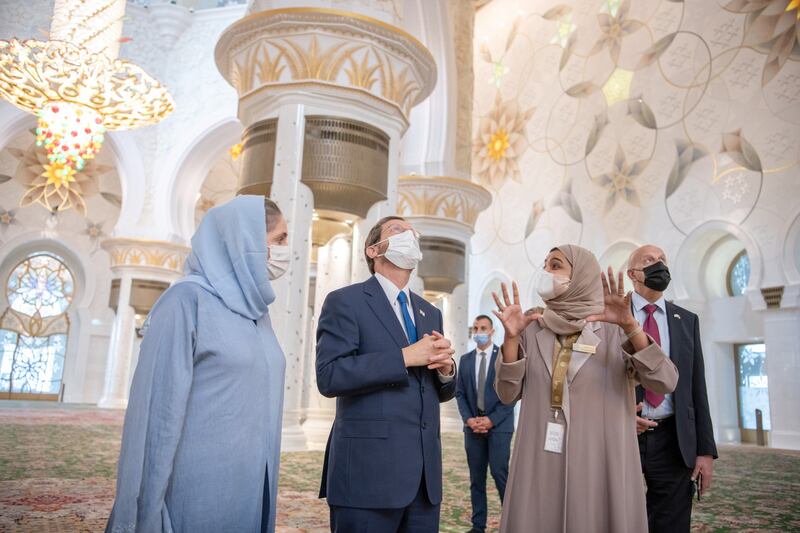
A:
(424, 425)
(422, 389)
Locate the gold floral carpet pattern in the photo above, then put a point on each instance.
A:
(57, 468)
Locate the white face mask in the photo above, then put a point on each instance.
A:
(551, 286)
(403, 250)
(278, 262)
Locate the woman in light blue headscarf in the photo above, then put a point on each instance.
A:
(201, 442)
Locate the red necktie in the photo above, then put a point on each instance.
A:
(650, 327)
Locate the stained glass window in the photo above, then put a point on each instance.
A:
(739, 275)
(42, 283)
(34, 328)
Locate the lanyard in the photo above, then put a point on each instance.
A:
(560, 368)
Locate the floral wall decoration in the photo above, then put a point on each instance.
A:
(606, 120)
(773, 28)
(85, 203)
(499, 143)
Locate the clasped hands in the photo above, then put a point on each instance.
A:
(480, 424)
(432, 351)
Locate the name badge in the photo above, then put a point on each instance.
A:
(585, 348)
(554, 440)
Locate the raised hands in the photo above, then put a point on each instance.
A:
(510, 312)
(617, 303)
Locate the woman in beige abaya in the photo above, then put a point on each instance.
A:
(574, 366)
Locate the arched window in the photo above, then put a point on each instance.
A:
(739, 274)
(34, 328)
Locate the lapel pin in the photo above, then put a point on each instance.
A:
(676, 315)
(422, 312)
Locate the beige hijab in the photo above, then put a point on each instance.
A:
(567, 312)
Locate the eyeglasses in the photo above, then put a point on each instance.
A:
(396, 229)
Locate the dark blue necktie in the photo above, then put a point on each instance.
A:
(411, 329)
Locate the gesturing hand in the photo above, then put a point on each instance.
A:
(510, 313)
(617, 303)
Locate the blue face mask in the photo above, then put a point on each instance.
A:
(481, 338)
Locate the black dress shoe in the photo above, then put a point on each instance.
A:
(476, 530)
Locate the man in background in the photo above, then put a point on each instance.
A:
(676, 438)
(488, 423)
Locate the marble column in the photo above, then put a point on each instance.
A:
(289, 315)
(360, 269)
(120, 350)
(782, 340)
(333, 272)
(133, 261)
(456, 326)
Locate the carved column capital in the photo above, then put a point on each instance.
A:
(444, 210)
(326, 52)
(453, 200)
(158, 256)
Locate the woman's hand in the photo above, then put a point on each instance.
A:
(510, 313)
(617, 303)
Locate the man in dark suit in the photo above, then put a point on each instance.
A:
(381, 354)
(676, 438)
(488, 423)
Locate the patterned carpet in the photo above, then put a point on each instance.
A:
(57, 470)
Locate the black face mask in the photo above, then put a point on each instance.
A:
(657, 277)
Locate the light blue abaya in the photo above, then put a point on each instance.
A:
(201, 442)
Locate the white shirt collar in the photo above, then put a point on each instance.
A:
(639, 302)
(391, 289)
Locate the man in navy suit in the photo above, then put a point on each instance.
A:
(676, 437)
(382, 355)
(488, 423)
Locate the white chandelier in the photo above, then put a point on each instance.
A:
(78, 89)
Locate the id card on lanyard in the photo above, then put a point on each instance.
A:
(554, 438)
(556, 429)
